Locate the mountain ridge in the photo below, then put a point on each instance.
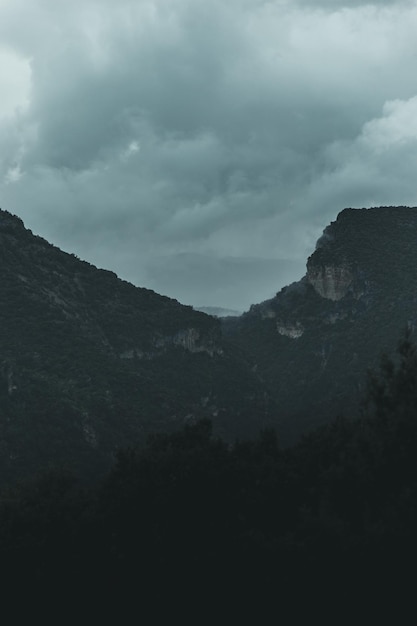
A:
(315, 340)
(89, 363)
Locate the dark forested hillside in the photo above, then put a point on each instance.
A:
(89, 362)
(313, 343)
(190, 524)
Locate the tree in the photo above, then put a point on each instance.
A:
(392, 392)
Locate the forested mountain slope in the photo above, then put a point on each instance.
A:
(314, 341)
(89, 362)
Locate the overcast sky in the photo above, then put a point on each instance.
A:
(198, 148)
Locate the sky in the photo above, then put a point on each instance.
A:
(199, 148)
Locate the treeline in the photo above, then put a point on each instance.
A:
(190, 520)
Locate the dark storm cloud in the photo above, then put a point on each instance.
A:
(183, 133)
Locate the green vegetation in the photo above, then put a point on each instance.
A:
(321, 374)
(89, 363)
(189, 520)
(202, 516)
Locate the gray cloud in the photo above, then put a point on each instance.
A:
(225, 280)
(183, 135)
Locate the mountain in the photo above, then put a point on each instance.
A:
(217, 311)
(90, 363)
(314, 341)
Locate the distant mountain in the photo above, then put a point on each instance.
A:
(217, 311)
(89, 362)
(313, 342)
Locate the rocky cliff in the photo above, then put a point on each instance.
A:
(330, 281)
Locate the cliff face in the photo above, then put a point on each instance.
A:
(293, 330)
(314, 341)
(89, 362)
(330, 281)
(189, 339)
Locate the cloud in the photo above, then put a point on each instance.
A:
(225, 280)
(15, 77)
(378, 166)
(141, 133)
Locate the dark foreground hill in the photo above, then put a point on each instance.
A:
(89, 363)
(191, 526)
(314, 341)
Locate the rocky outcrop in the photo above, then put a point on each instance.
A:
(190, 339)
(292, 330)
(330, 281)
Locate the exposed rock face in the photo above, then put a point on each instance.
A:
(294, 331)
(329, 281)
(190, 339)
